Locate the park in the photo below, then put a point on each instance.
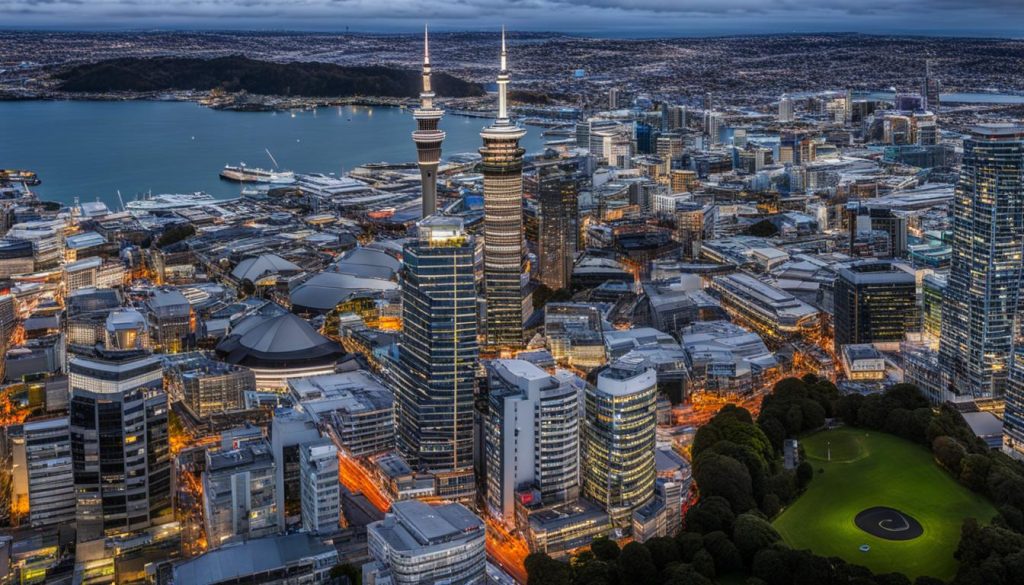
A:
(882, 502)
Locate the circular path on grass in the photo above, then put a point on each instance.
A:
(888, 523)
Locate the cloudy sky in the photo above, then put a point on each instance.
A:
(605, 17)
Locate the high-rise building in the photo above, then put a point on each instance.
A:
(785, 108)
(417, 543)
(170, 320)
(428, 136)
(238, 492)
(119, 444)
(438, 350)
(713, 127)
(618, 439)
(532, 435)
(321, 490)
(613, 98)
(289, 429)
(559, 226)
(930, 89)
(983, 294)
(42, 481)
(875, 301)
(502, 168)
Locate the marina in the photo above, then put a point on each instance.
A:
(181, 147)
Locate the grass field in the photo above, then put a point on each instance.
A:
(876, 469)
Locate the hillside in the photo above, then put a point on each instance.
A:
(237, 73)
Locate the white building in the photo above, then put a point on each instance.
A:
(417, 543)
(321, 492)
(532, 435)
(42, 480)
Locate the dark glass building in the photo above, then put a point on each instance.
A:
(436, 365)
(119, 445)
(558, 227)
(875, 301)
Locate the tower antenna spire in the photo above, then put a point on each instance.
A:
(426, 45)
(503, 82)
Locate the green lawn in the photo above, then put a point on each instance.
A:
(875, 469)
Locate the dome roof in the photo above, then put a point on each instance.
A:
(324, 291)
(252, 269)
(283, 340)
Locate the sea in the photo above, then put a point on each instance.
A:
(93, 149)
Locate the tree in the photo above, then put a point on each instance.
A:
(605, 549)
(543, 570)
(813, 414)
(704, 563)
(175, 234)
(774, 430)
(663, 551)
(595, 572)
(804, 475)
(949, 453)
(750, 534)
(683, 574)
(771, 505)
(794, 420)
(908, 396)
(770, 565)
(636, 567)
(727, 557)
(763, 229)
(354, 575)
(720, 475)
(974, 471)
(689, 542)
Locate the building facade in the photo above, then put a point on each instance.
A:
(119, 444)
(42, 482)
(532, 435)
(435, 370)
(559, 227)
(502, 168)
(619, 440)
(238, 493)
(321, 490)
(874, 301)
(983, 292)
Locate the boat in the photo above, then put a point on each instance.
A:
(244, 174)
(170, 201)
(27, 178)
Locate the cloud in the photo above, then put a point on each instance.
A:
(609, 17)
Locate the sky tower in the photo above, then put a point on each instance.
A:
(427, 136)
(502, 168)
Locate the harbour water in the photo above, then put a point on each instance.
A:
(93, 149)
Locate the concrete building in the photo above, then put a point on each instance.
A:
(356, 407)
(289, 429)
(238, 493)
(532, 435)
(170, 320)
(320, 486)
(42, 482)
(417, 544)
(275, 560)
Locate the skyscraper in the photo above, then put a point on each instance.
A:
(503, 221)
(875, 301)
(785, 108)
(983, 295)
(619, 438)
(321, 492)
(559, 212)
(435, 371)
(532, 435)
(119, 447)
(930, 89)
(428, 136)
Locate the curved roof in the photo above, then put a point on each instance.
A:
(368, 262)
(253, 269)
(324, 291)
(284, 340)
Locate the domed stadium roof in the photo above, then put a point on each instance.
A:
(324, 291)
(283, 340)
(253, 269)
